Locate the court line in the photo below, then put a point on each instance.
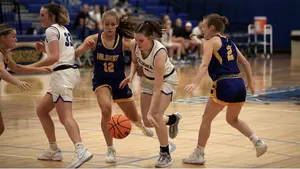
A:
(231, 145)
(29, 157)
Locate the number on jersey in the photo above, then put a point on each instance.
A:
(229, 53)
(109, 67)
(68, 39)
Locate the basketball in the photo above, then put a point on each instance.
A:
(119, 126)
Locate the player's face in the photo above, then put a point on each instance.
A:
(110, 25)
(206, 30)
(10, 39)
(45, 18)
(142, 41)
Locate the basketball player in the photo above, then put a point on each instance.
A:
(220, 60)
(159, 84)
(7, 43)
(61, 55)
(109, 71)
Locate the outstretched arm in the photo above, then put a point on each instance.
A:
(89, 43)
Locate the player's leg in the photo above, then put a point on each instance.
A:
(1, 124)
(212, 109)
(44, 108)
(232, 116)
(103, 94)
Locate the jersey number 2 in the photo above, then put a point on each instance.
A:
(68, 39)
(108, 67)
(229, 53)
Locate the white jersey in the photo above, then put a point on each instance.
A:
(65, 41)
(148, 63)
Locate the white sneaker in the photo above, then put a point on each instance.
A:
(260, 147)
(111, 155)
(146, 131)
(49, 154)
(80, 157)
(197, 157)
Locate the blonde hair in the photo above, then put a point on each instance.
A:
(60, 12)
(126, 23)
(5, 29)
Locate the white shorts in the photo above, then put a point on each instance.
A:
(169, 85)
(62, 84)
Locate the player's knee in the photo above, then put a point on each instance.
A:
(65, 121)
(106, 111)
(231, 121)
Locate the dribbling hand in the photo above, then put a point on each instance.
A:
(24, 86)
(190, 87)
(125, 82)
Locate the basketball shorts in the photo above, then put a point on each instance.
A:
(169, 85)
(229, 90)
(119, 95)
(62, 84)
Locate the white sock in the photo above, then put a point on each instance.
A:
(110, 148)
(199, 150)
(253, 138)
(79, 145)
(53, 146)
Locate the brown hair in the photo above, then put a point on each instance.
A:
(150, 28)
(217, 21)
(126, 23)
(5, 29)
(60, 12)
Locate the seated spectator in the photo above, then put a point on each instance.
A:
(169, 44)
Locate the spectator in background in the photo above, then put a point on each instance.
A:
(178, 37)
(82, 20)
(199, 42)
(96, 16)
(169, 44)
(190, 45)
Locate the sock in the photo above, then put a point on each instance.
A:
(253, 138)
(53, 146)
(110, 148)
(199, 150)
(79, 145)
(138, 123)
(172, 119)
(164, 149)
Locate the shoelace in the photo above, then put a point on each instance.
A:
(163, 157)
(110, 152)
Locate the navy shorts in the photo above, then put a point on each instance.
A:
(119, 95)
(230, 90)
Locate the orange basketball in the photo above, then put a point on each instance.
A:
(119, 126)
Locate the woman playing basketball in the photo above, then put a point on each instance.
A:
(109, 71)
(7, 43)
(159, 85)
(61, 54)
(220, 60)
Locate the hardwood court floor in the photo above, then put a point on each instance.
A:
(277, 122)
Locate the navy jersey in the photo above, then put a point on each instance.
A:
(224, 61)
(109, 62)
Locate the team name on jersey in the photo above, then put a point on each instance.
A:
(144, 64)
(106, 57)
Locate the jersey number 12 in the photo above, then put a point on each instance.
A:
(108, 67)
